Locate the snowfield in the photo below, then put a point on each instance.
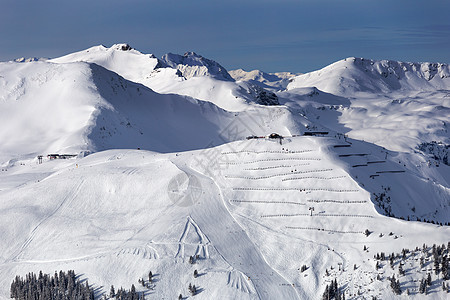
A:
(164, 180)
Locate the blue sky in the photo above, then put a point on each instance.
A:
(270, 35)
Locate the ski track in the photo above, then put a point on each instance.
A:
(30, 238)
(235, 246)
(202, 247)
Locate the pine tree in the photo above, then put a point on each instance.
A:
(444, 267)
(400, 270)
(195, 274)
(398, 290)
(112, 292)
(429, 279)
(332, 291)
(422, 286)
(326, 293)
(13, 289)
(150, 276)
(395, 285)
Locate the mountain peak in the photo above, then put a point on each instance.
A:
(270, 81)
(122, 47)
(192, 64)
(355, 74)
(30, 59)
(191, 53)
(120, 58)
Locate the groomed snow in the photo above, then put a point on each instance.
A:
(254, 211)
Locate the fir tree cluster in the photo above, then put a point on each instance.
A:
(440, 257)
(62, 286)
(123, 294)
(192, 289)
(424, 284)
(395, 285)
(332, 292)
(439, 260)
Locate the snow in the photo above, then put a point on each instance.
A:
(190, 75)
(254, 211)
(51, 115)
(271, 81)
(76, 107)
(130, 64)
(193, 65)
(353, 75)
(103, 217)
(393, 104)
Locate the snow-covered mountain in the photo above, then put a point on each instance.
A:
(119, 58)
(272, 81)
(193, 65)
(357, 186)
(30, 59)
(77, 107)
(190, 75)
(353, 75)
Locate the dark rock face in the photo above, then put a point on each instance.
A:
(263, 96)
(437, 151)
(126, 47)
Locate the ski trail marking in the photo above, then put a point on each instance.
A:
(33, 233)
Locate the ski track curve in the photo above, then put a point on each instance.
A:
(232, 242)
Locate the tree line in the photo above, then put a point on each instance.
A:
(62, 286)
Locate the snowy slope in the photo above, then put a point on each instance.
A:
(271, 81)
(74, 107)
(190, 75)
(45, 107)
(242, 207)
(254, 211)
(364, 75)
(193, 65)
(119, 58)
(155, 74)
(393, 104)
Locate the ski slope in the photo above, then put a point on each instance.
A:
(246, 214)
(163, 171)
